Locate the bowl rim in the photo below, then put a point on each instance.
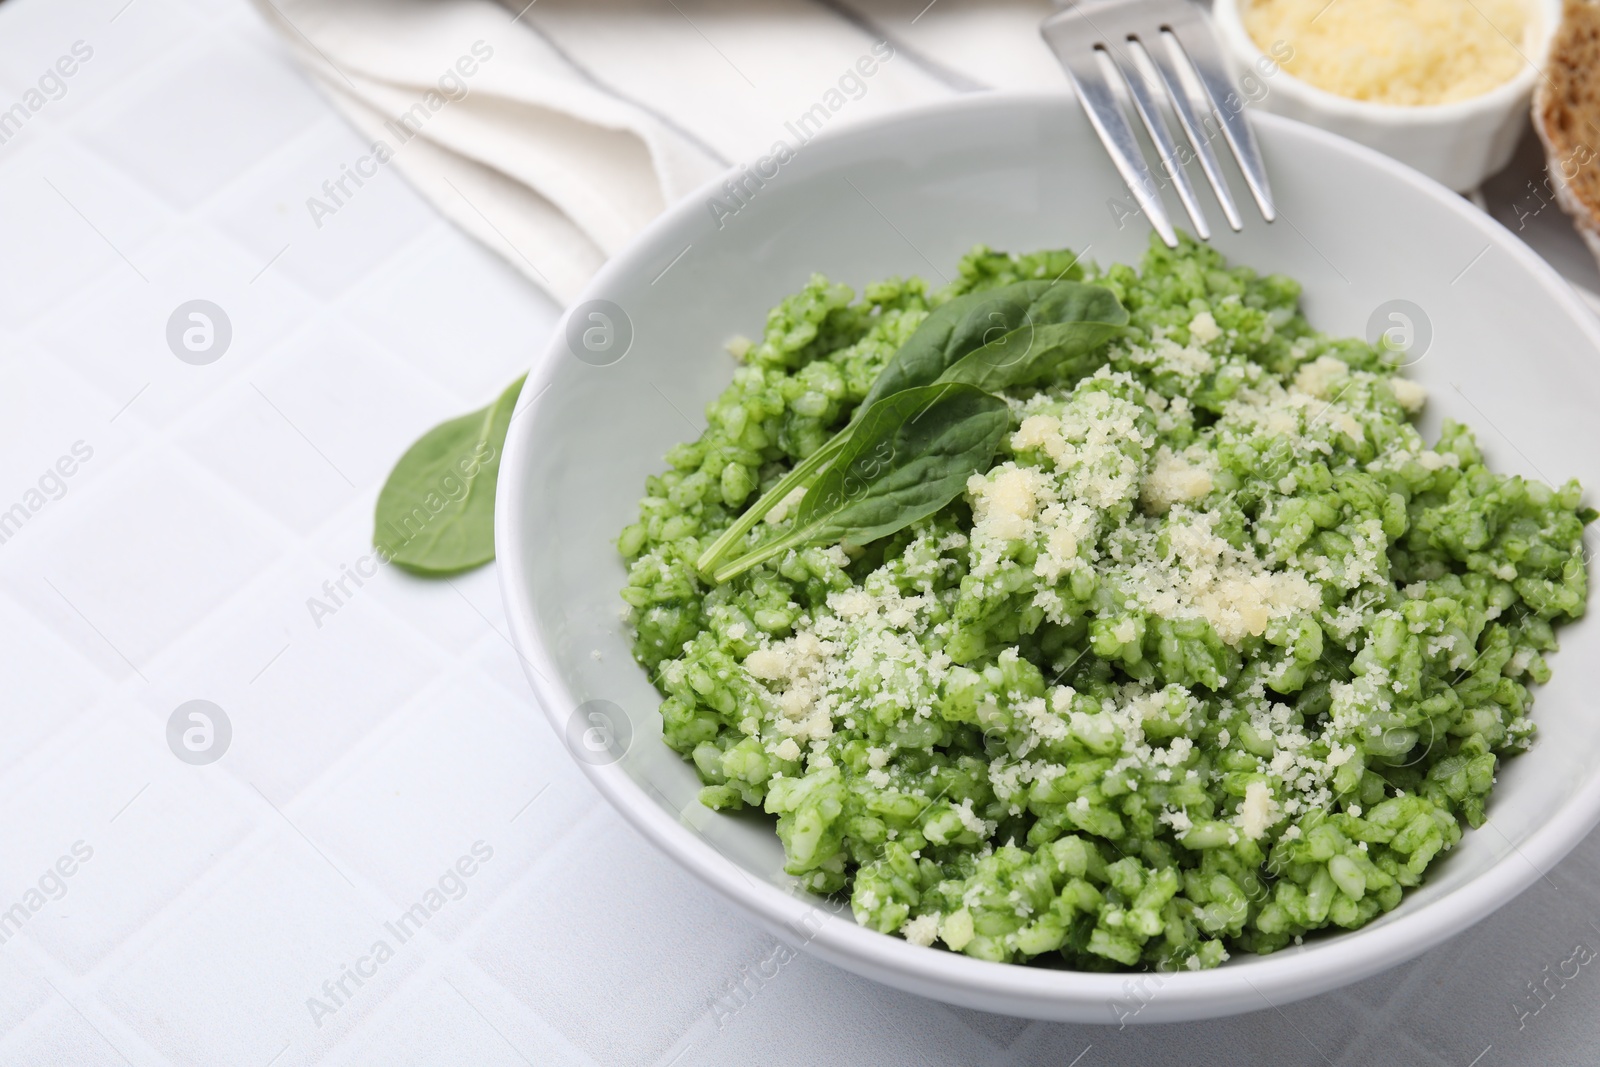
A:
(1506, 96)
(1035, 992)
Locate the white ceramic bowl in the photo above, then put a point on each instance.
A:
(910, 194)
(1459, 144)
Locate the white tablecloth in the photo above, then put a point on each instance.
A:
(166, 524)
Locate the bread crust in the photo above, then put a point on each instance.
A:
(1566, 116)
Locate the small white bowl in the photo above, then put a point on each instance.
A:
(1457, 144)
(1513, 354)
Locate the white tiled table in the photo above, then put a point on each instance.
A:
(375, 747)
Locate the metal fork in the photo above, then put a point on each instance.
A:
(1166, 37)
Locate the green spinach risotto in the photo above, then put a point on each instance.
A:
(1117, 617)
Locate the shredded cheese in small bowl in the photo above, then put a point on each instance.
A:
(1441, 85)
(1405, 52)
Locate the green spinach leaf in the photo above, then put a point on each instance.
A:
(1058, 337)
(435, 513)
(909, 455)
(952, 330)
(949, 332)
(993, 339)
(798, 476)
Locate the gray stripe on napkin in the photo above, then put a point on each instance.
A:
(948, 75)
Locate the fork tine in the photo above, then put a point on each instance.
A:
(1200, 48)
(1178, 94)
(1144, 103)
(1100, 104)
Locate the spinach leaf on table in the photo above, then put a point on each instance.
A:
(435, 514)
(909, 455)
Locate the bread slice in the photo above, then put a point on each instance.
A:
(1566, 114)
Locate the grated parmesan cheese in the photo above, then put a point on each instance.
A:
(1258, 811)
(1203, 328)
(1318, 377)
(1172, 480)
(1408, 394)
(780, 510)
(1202, 576)
(922, 930)
(1405, 52)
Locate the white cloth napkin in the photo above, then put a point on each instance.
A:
(554, 131)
